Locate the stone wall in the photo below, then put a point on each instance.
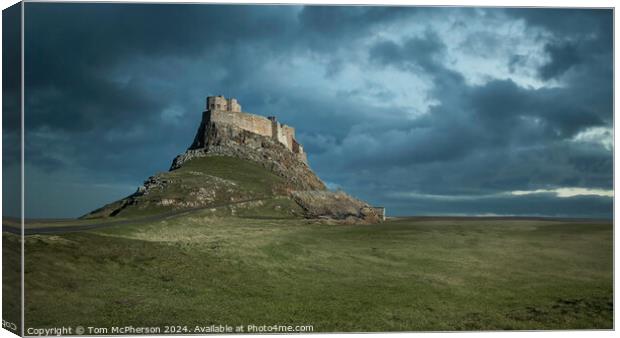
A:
(259, 125)
(253, 123)
(288, 134)
(280, 134)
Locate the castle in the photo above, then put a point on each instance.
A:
(226, 131)
(228, 111)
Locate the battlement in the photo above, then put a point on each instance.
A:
(228, 111)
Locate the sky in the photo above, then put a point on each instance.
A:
(423, 110)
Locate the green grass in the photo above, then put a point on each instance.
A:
(11, 281)
(217, 180)
(245, 174)
(52, 223)
(407, 274)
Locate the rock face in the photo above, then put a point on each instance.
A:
(229, 140)
(235, 159)
(335, 205)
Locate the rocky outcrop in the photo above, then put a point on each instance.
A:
(228, 140)
(335, 205)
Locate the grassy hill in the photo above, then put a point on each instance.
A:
(201, 182)
(206, 267)
(213, 182)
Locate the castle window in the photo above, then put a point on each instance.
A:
(212, 105)
(218, 106)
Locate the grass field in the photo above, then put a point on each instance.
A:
(406, 274)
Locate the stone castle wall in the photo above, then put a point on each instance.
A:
(283, 133)
(258, 125)
(288, 134)
(228, 111)
(254, 123)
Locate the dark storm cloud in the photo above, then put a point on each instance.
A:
(11, 82)
(489, 138)
(80, 91)
(336, 24)
(11, 111)
(415, 53)
(85, 41)
(115, 91)
(572, 44)
(497, 114)
(563, 57)
(567, 21)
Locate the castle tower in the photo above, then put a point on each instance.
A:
(233, 105)
(221, 103)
